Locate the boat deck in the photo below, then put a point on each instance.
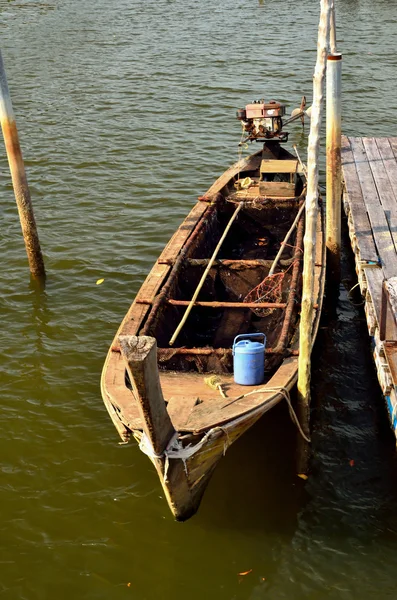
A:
(369, 168)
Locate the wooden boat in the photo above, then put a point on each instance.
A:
(180, 401)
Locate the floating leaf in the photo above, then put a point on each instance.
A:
(100, 281)
(303, 476)
(246, 572)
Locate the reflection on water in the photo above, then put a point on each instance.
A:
(126, 114)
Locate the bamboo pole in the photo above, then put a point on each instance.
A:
(334, 168)
(307, 311)
(204, 276)
(19, 179)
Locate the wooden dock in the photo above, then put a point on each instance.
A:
(369, 169)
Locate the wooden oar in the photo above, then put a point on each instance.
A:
(203, 278)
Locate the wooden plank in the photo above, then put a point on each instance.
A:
(113, 383)
(232, 305)
(390, 350)
(389, 160)
(383, 185)
(359, 216)
(175, 244)
(153, 282)
(138, 312)
(180, 408)
(279, 166)
(251, 163)
(374, 279)
(380, 227)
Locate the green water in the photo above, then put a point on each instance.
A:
(126, 113)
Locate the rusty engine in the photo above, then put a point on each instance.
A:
(263, 121)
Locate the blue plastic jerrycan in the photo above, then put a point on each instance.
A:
(249, 358)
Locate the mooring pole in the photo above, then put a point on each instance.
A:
(307, 310)
(19, 180)
(334, 167)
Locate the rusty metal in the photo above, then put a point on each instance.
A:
(19, 179)
(333, 167)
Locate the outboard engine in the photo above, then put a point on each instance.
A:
(263, 121)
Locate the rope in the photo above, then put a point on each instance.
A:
(176, 450)
(285, 393)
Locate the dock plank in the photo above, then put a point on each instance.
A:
(375, 163)
(359, 215)
(389, 161)
(377, 217)
(385, 189)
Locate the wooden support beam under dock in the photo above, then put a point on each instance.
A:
(369, 167)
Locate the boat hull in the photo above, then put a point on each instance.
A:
(205, 424)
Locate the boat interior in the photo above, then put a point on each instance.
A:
(238, 275)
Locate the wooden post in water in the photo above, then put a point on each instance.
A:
(307, 310)
(334, 168)
(19, 180)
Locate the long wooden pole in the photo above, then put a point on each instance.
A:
(307, 311)
(204, 276)
(19, 179)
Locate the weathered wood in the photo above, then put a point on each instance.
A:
(390, 350)
(19, 179)
(180, 408)
(389, 161)
(307, 311)
(380, 227)
(215, 304)
(184, 230)
(140, 356)
(388, 317)
(251, 163)
(385, 190)
(358, 213)
(204, 276)
(274, 189)
(236, 263)
(374, 279)
(279, 166)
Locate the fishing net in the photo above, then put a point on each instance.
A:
(269, 290)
